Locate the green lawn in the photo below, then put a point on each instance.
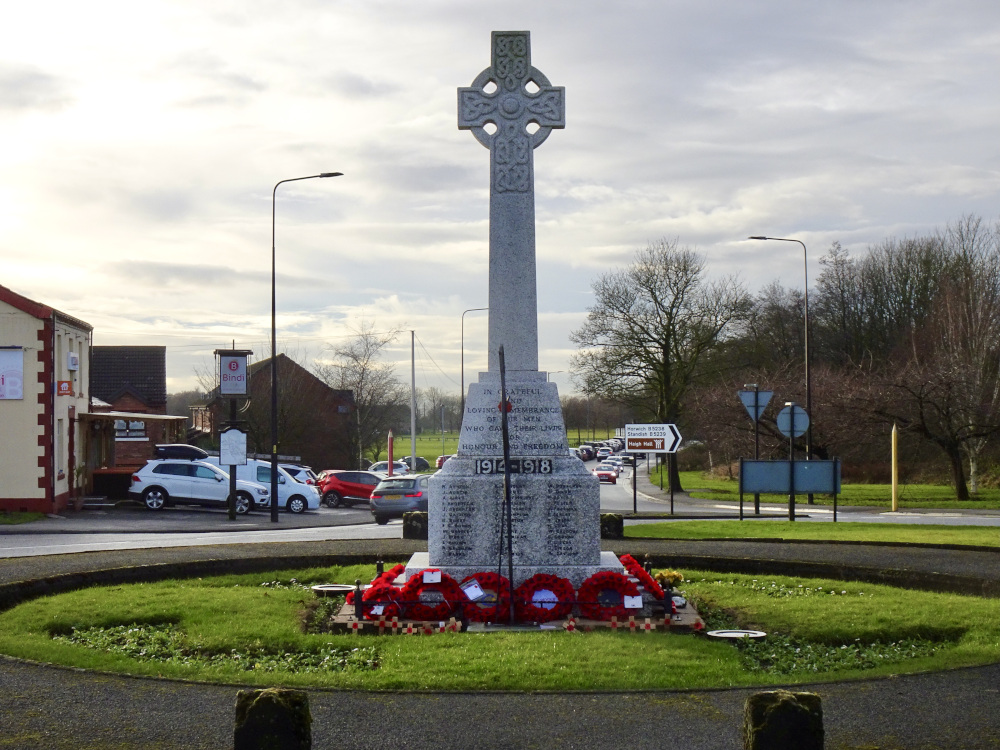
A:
(701, 485)
(15, 517)
(982, 536)
(247, 630)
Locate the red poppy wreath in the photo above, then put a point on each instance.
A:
(542, 598)
(381, 594)
(645, 579)
(495, 605)
(431, 601)
(602, 596)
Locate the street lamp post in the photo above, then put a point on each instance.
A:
(805, 310)
(471, 309)
(274, 346)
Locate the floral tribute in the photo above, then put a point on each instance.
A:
(381, 594)
(602, 596)
(543, 598)
(495, 605)
(431, 601)
(636, 570)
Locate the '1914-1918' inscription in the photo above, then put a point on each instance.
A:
(516, 466)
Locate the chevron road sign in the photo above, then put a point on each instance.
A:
(652, 438)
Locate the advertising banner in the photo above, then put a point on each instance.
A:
(11, 374)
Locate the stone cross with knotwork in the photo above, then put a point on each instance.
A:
(499, 109)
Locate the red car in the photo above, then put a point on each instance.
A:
(605, 474)
(348, 487)
(441, 459)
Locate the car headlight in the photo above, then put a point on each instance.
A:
(263, 492)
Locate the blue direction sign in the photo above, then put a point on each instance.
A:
(755, 402)
(792, 421)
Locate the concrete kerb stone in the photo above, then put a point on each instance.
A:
(15, 592)
(907, 579)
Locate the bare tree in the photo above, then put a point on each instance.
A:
(378, 395)
(944, 382)
(653, 328)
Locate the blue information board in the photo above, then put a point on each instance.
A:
(822, 477)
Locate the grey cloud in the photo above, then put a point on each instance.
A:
(24, 89)
(357, 86)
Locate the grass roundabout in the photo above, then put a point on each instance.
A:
(263, 629)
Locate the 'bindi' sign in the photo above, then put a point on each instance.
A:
(233, 374)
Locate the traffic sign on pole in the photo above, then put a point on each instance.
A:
(652, 438)
(792, 421)
(755, 402)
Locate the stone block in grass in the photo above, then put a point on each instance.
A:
(272, 719)
(780, 719)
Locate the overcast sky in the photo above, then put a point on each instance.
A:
(142, 140)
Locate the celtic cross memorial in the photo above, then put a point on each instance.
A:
(555, 501)
(501, 113)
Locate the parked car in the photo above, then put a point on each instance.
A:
(300, 473)
(180, 450)
(441, 459)
(382, 467)
(293, 496)
(606, 474)
(176, 481)
(603, 453)
(588, 452)
(395, 496)
(422, 463)
(348, 487)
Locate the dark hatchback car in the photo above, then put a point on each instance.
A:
(395, 496)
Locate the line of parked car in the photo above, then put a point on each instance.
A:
(184, 474)
(610, 464)
(187, 475)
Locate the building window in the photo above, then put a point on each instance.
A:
(130, 429)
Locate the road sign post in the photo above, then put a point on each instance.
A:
(792, 421)
(755, 402)
(652, 438)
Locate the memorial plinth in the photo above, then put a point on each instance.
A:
(555, 500)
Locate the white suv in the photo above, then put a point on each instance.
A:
(293, 496)
(177, 481)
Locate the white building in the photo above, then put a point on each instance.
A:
(44, 376)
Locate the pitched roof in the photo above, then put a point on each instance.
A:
(139, 370)
(37, 309)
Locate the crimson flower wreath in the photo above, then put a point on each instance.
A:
(390, 575)
(542, 598)
(384, 594)
(634, 567)
(602, 596)
(495, 605)
(412, 597)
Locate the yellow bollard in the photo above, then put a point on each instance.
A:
(895, 469)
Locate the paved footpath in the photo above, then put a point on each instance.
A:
(51, 707)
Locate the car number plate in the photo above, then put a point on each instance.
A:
(392, 497)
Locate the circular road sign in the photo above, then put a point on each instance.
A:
(792, 421)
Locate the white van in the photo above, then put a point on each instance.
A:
(293, 496)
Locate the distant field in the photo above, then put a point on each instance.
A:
(430, 446)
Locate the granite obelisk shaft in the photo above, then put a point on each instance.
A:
(509, 111)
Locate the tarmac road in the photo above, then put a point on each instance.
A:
(51, 707)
